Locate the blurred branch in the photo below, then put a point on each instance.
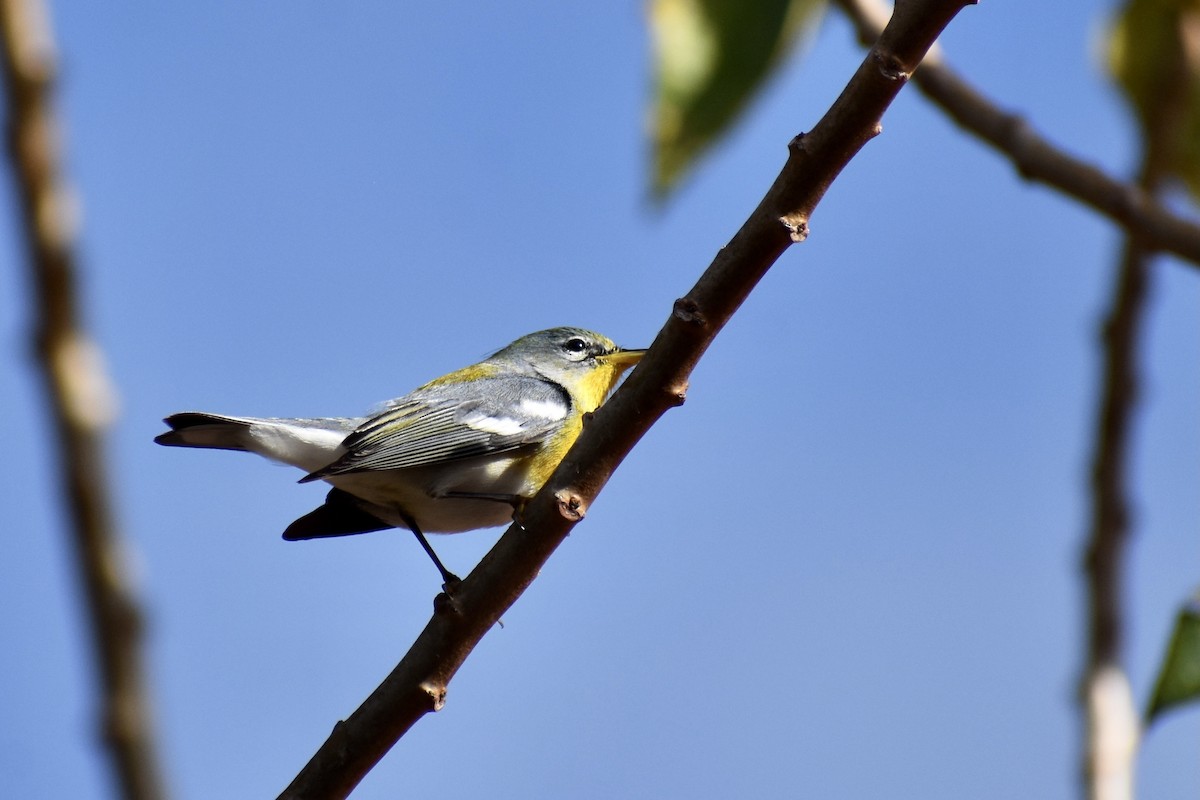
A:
(1111, 720)
(1035, 158)
(78, 392)
(418, 683)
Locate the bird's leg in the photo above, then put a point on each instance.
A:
(518, 505)
(449, 579)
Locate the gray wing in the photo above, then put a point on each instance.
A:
(448, 422)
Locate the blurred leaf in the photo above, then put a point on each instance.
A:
(1179, 680)
(711, 57)
(1154, 54)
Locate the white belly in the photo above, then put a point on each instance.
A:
(424, 494)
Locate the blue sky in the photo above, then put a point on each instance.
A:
(847, 567)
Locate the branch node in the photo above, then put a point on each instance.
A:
(570, 505)
(797, 144)
(1019, 140)
(797, 226)
(890, 66)
(78, 363)
(688, 310)
(436, 693)
(445, 605)
(1130, 202)
(678, 393)
(339, 739)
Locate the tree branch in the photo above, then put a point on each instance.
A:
(79, 393)
(1130, 206)
(1112, 729)
(418, 683)
(1111, 721)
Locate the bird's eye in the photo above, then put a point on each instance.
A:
(575, 345)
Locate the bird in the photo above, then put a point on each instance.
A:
(461, 452)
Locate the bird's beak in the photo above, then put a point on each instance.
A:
(622, 358)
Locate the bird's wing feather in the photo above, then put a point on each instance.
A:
(340, 515)
(448, 422)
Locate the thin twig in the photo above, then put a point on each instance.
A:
(79, 393)
(1111, 721)
(1034, 157)
(418, 684)
(1112, 729)
(1110, 718)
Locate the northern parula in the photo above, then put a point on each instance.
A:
(459, 453)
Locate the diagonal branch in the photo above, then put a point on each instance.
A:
(1034, 157)
(418, 683)
(79, 394)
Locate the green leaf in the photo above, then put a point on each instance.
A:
(712, 57)
(1179, 680)
(1154, 54)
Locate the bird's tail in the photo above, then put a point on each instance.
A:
(196, 429)
(309, 444)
